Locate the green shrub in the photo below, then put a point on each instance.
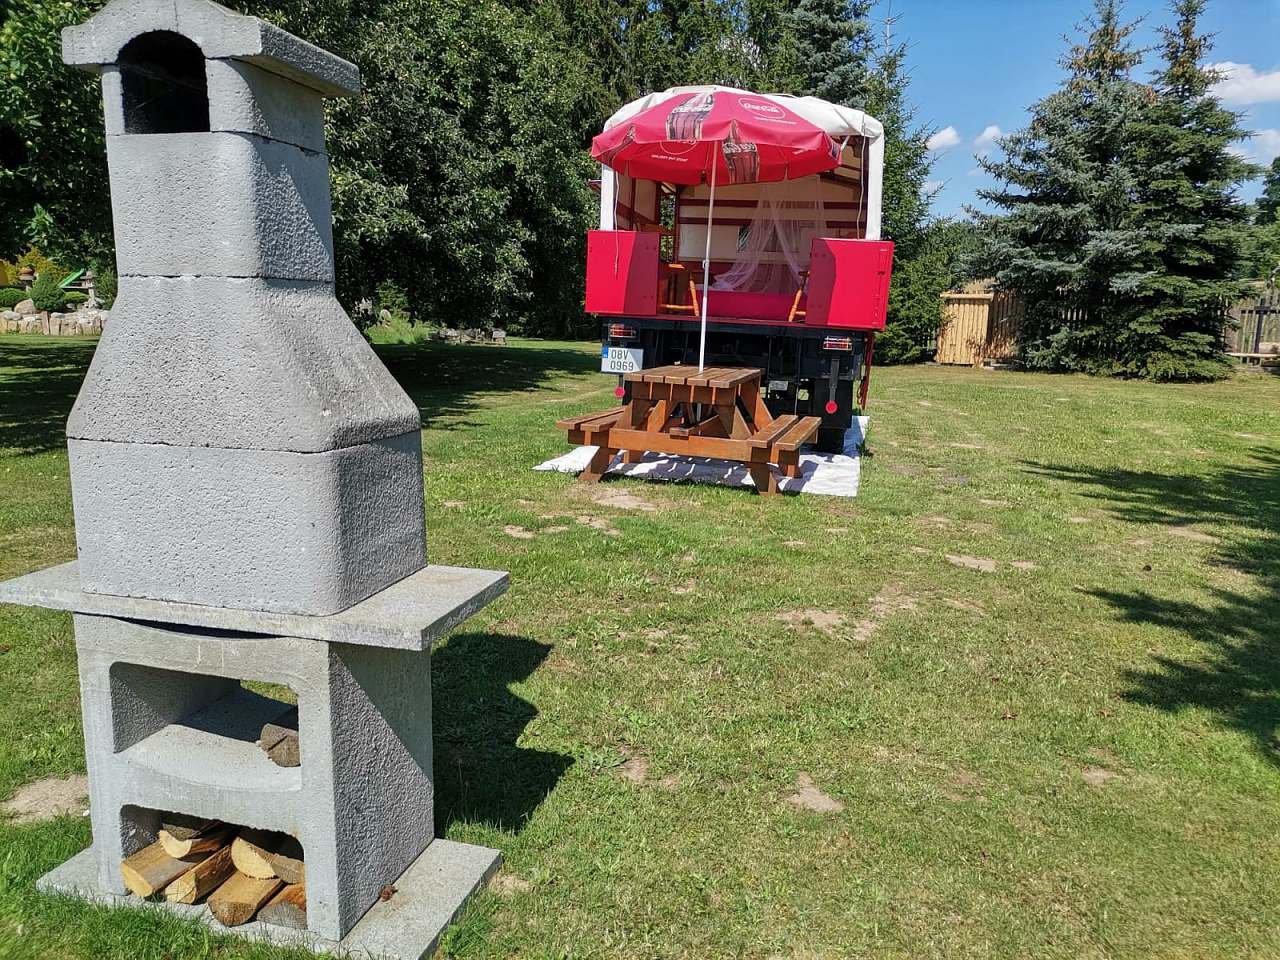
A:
(10, 297)
(105, 286)
(46, 294)
(73, 298)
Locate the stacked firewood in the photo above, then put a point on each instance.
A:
(240, 873)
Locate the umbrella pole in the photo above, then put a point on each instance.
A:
(706, 271)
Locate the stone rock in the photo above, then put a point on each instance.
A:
(12, 326)
(53, 325)
(31, 325)
(10, 315)
(26, 308)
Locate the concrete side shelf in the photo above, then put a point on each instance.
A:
(409, 615)
(218, 746)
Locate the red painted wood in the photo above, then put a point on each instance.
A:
(849, 283)
(622, 272)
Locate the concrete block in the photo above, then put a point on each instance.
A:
(220, 204)
(112, 102)
(308, 533)
(220, 34)
(360, 803)
(247, 99)
(429, 896)
(236, 363)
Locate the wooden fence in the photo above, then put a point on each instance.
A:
(1257, 325)
(978, 324)
(981, 324)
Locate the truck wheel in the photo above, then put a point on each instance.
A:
(830, 440)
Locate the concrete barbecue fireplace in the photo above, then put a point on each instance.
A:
(247, 484)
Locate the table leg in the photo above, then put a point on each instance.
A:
(598, 465)
(763, 477)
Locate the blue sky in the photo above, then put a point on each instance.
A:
(976, 65)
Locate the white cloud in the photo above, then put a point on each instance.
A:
(1242, 84)
(1262, 147)
(944, 139)
(975, 172)
(1265, 145)
(930, 187)
(989, 135)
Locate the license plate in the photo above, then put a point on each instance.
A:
(621, 359)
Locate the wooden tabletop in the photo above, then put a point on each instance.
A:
(679, 375)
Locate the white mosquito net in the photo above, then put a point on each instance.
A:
(773, 249)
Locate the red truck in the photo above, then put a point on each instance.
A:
(800, 278)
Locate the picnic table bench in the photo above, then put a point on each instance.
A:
(716, 412)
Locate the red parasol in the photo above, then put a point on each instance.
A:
(729, 136)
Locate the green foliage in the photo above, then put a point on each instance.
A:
(392, 298)
(1269, 202)
(1122, 232)
(105, 285)
(53, 172)
(1260, 259)
(399, 329)
(73, 298)
(10, 297)
(915, 295)
(37, 261)
(46, 294)
(833, 47)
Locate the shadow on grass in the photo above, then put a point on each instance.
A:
(1238, 678)
(446, 380)
(39, 380)
(481, 775)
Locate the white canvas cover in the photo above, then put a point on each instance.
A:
(840, 123)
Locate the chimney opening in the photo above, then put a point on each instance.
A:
(164, 85)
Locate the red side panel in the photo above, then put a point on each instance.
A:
(622, 272)
(849, 283)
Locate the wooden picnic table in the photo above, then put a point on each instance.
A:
(716, 412)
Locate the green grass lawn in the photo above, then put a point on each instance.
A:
(1072, 755)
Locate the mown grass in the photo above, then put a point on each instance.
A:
(1073, 757)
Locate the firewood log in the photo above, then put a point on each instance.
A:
(240, 897)
(150, 870)
(201, 879)
(210, 840)
(288, 908)
(279, 739)
(263, 855)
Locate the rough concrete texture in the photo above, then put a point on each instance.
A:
(247, 99)
(220, 34)
(112, 101)
(243, 364)
(219, 204)
(177, 735)
(429, 896)
(307, 533)
(408, 615)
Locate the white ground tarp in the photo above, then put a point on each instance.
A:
(823, 474)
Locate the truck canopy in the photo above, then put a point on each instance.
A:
(860, 174)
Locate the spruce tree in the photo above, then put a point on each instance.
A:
(1069, 242)
(833, 48)
(1193, 221)
(1269, 202)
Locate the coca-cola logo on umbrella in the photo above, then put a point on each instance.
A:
(761, 107)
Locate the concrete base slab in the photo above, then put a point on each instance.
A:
(429, 896)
